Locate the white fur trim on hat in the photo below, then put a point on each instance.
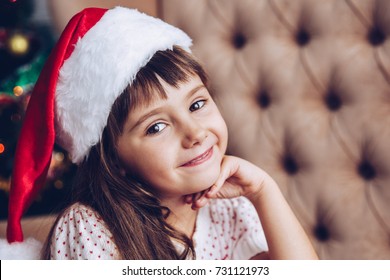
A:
(101, 66)
(30, 249)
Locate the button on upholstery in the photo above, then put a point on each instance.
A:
(366, 170)
(290, 165)
(333, 101)
(321, 232)
(302, 37)
(264, 99)
(239, 40)
(376, 36)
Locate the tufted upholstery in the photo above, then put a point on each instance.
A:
(304, 87)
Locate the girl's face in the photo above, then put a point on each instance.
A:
(175, 144)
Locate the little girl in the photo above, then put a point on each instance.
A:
(124, 96)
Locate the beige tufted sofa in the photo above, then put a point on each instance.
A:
(304, 86)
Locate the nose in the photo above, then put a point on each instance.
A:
(193, 134)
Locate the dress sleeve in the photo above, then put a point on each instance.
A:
(82, 234)
(248, 235)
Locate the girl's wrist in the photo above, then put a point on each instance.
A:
(265, 185)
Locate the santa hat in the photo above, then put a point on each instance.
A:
(97, 56)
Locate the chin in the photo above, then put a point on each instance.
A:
(203, 183)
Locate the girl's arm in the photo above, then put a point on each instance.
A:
(285, 236)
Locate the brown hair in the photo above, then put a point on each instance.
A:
(129, 207)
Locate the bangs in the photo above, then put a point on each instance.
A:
(171, 66)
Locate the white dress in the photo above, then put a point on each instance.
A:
(225, 229)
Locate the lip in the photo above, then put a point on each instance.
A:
(199, 159)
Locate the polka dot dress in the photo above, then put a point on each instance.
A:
(225, 229)
(82, 234)
(228, 229)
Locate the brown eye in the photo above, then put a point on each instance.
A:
(197, 105)
(156, 128)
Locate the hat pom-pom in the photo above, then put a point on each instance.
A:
(29, 249)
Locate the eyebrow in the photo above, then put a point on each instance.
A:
(159, 109)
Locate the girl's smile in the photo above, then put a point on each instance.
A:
(175, 144)
(199, 159)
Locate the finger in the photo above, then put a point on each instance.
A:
(194, 197)
(191, 198)
(226, 172)
(201, 202)
(188, 198)
(212, 191)
(228, 168)
(197, 196)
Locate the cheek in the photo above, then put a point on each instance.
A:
(222, 132)
(146, 162)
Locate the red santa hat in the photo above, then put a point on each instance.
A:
(97, 56)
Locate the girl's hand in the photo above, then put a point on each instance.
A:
(238, 177)
(285, 236)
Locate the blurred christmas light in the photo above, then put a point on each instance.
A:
(58, 184)
(2, 148)
(59, 156)
(18, 91)
(18, 44)
(5, 184)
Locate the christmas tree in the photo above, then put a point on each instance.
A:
(24, 47)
